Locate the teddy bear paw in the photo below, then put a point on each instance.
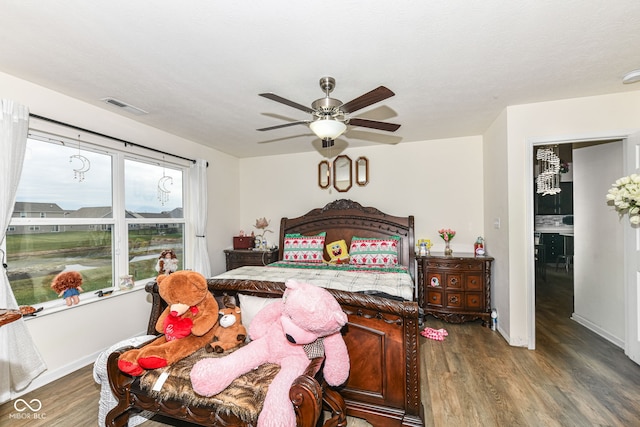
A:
(130, 368)
(152, 362)
(211, 348)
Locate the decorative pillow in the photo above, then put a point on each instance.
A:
(299, 248)
(338, 252)
(251, 305)
(374, 251)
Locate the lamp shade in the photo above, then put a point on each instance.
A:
(328, 128)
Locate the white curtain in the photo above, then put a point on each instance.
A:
(20, 360)
(198, 196)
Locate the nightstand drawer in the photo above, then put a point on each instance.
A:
(434, 298)
(454, 281)
(474, 300)
(455, 300)
(474, 282)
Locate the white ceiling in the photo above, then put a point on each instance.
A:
(197, 66)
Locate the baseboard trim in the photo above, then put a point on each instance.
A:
(49, 376)
(598, 330)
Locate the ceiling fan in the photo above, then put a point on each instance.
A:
(330, 116)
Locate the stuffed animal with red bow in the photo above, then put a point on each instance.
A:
(187, 324)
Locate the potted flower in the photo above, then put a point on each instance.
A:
(261, 224)
(447, 234)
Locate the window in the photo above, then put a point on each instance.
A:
(113, 220)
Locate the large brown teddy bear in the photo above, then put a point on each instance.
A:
(187, 323)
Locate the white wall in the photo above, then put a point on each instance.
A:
(578, 118)
(437, 181)
(71, 338)
(599, 249)
(495, 151)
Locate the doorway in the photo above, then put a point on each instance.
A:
(596, 164)
(554, 234)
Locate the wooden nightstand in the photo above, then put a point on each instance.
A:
(241, 257)
(455, 288)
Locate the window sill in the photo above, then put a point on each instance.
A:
(85, 299)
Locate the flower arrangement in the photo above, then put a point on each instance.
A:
(426, 242)
(262, 224)
(564, 166)
(625, 196)
(446, 234)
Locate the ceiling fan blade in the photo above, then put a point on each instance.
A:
(376, 95)
(374, 124)
(303, 122)
(277, 98)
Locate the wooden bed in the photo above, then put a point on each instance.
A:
(382, 334)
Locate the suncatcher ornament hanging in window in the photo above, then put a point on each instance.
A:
(163, 192)
(86, 164)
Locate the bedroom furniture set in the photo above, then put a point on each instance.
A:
(381, 334)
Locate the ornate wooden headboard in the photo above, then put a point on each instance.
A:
(343, 219)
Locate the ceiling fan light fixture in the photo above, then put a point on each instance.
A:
(631, 77)
(327, 128)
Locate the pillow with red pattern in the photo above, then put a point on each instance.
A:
(299, 248)
(374, 251)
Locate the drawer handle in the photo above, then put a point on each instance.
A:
(474, 300)
(453, 280)
(434, 298)
(453, 300)
(474, 281)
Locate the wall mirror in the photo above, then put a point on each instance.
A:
(342, 179)
(362, 171)
(324, 176)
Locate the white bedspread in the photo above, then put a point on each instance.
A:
(395, 284)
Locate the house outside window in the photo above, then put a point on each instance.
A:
(113, 222)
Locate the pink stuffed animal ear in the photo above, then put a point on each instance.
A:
(340, 317)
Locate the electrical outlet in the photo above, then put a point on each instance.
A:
(496, 223)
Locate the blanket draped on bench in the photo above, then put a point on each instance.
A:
(243, 398)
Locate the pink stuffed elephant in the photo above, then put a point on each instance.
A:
(306, 318)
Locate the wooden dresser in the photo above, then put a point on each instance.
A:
(241, 257)
(455, 288)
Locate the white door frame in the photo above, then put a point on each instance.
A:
(632, 260)
(530, 222)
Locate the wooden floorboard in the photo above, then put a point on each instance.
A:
(472, 378)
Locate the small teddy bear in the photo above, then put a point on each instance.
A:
(68, 285)
(230, 332)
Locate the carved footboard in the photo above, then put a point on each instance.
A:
(382, 339)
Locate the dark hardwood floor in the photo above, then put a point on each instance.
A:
(472, 378)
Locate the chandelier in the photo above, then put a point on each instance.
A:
(548, 181)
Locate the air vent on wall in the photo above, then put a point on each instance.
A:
(123, 105)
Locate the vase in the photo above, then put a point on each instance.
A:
(447, 248)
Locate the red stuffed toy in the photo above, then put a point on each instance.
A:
(306, 322)
(187, 323)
